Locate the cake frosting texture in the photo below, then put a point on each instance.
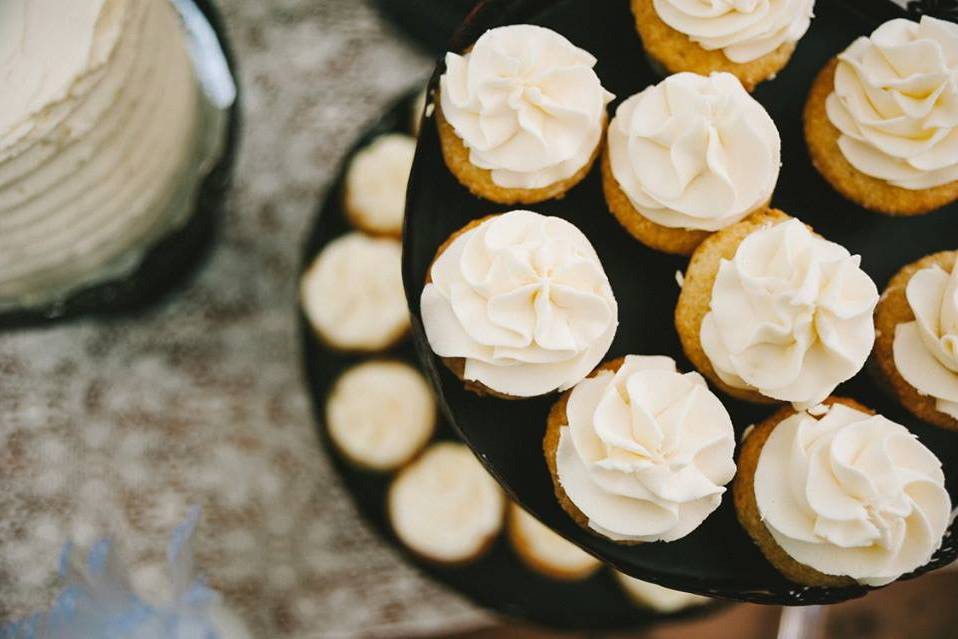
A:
(100, 142)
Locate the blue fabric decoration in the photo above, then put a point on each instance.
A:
(98, 601)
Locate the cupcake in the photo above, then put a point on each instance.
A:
(379, 414)
(518, 305)
(520, 115)
(352, 294)
(639, 452)
(751, 40)
(375, 192)
(688, 157)
(545, 551)
(105, 134)
(916, 353)
(837, 495)
(655, 597)
(881, 120)
(445, 507)
(771, 312)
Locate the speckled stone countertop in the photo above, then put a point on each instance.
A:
(117, 426)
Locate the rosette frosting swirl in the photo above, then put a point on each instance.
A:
(526, 103)
(896, 103)
(851, 494)
(523, 298)
(695, 152)
(926, 350)
(790, 315)
(744, 30)
(647, 451)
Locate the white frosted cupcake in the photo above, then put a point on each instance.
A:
(375, 191)
(639, 452)
(520, 114)
(656, 597)
(916, 352)
(881, 120)
(445, 507)
(352, 294)
(380, 413)
(838, 495)
(545, 551)
(688, 157)
(752, 40)
(770, 311)
(518, 305)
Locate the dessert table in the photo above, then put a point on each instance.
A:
(117, 425)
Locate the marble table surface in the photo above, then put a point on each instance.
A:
(118, 426)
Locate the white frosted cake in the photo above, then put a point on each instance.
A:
(104, 136)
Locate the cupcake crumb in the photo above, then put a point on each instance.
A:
(679, 279)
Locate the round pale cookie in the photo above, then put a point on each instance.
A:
(656, 597)
(892, 310)
(375, 192)
(656, 236)
(479, 181)
(873, 194)
(545, 551)
(676, 52)
(353, 296)
(445, 507)
(696, 296)
(746, 505)
(379, 414)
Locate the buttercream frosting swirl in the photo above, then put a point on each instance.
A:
(524, 299)
(790, 315)
(695, 152)
(744, 30)
(647, 451)
(926, 350)
(526, 103)
(852, 494)
(895, 103)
